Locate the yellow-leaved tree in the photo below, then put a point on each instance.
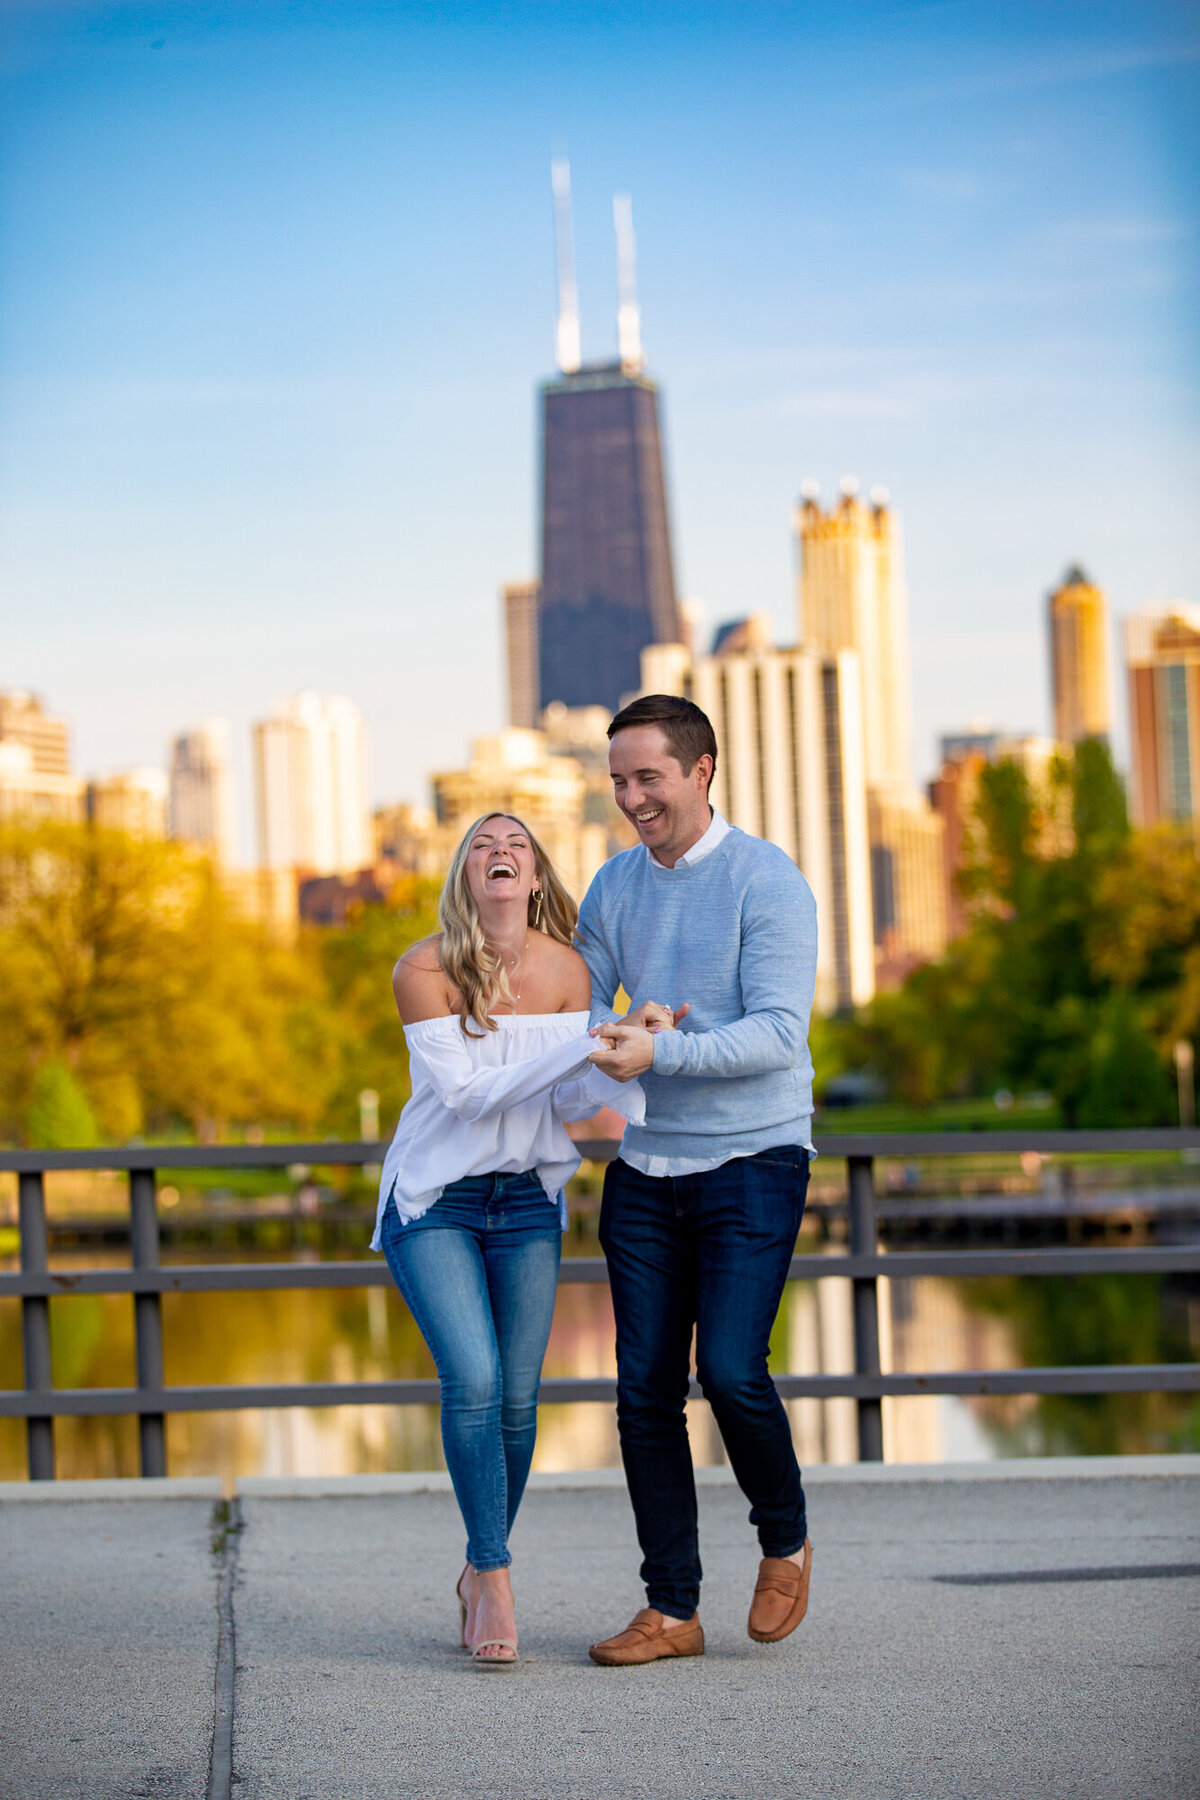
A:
(120, 960)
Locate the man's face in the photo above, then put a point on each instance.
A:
(668, 809)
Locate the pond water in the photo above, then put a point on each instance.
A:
(368, 1334)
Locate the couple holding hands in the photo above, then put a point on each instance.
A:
(510, 1032)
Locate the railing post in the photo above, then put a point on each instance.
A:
(865, 1242)
(35, 1321)
(147, 1317)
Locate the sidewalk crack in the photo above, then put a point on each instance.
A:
(227, 1527)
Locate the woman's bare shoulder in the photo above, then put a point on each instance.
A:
(419, 983)
(568, 972)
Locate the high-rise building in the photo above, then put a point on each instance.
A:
(1162, 661)
(1078, 625)
(581, 732)
(908, 881)
(134, 802)
(608, 585)
(790, 769)
(520, 602)
(852, 597)
(24, 720)
(310, 768)
(513, 771)
(954, 795)
(408, 841)
(201, 791)
(36, 782)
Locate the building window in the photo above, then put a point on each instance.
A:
(793, 759)
(837, 832)
(760, 747)
(726, 743)
(1179, 761)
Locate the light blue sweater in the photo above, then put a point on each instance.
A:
(736, 936)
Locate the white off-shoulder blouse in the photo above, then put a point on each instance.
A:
(495, 1104)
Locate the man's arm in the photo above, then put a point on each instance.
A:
(777, 969)
(594, 948)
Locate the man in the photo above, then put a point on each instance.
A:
(715, 932)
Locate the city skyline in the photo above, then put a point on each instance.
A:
(269, 391)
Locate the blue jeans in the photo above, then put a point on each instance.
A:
(708, 1252)
(479, 1272)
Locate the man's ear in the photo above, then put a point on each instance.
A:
(704, 768)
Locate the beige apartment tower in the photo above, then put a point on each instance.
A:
(852, 597)
(1077, 618)
(908, 880)
(1162, 664)
(790, 769)
(515, 772)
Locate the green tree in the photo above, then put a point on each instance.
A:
(59, 1116)
(1126, 1083)
(1082, 963)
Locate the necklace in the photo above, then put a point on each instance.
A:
(511, 973)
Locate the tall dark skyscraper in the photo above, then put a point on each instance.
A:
(608, 587)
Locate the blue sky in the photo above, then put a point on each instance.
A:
(278, 291)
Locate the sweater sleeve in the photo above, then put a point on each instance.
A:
(777, 970)
(594, 947)
(472, 1093)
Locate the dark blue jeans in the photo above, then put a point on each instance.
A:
(708, 1252)
(479, 1271)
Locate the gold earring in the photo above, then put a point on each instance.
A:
(537, 917)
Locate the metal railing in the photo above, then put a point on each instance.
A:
(39, 1402)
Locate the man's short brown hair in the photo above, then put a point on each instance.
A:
(688, 731)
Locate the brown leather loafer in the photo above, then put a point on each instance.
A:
(646, 1638)
(780, 1597)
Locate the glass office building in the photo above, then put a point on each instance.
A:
(608, 588)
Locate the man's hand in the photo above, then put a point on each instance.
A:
(653, 1017)
(626, 1051)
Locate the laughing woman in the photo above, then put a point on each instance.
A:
(471, 1210)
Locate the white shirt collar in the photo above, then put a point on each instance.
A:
(704, 846)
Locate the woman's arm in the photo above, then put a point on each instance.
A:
(471, 1093)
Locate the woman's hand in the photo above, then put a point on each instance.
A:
(625, 1051)
(654, 1017)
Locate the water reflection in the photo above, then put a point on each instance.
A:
(349, 1334)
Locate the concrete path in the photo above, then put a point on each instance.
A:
(108, 1629)
(995, 1634)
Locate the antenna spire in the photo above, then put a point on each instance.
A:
(629, 318)
(567, 342)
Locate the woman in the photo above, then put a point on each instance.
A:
(471, 1211)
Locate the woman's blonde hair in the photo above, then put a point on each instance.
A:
(466, 960)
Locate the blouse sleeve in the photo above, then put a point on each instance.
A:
(472, 1093)
(580, 1098)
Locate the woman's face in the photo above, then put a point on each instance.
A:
(501, 870)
